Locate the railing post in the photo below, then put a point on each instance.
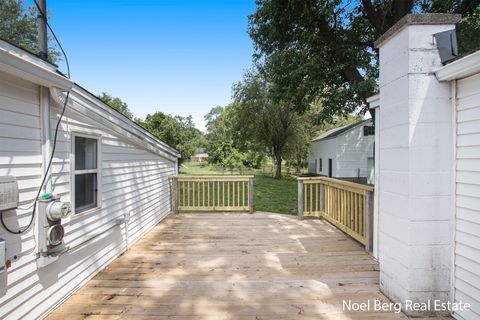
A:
(300, 199)
(369, 221)
(176, 188)
(250, 195)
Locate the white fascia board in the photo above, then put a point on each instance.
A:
(461, 68)
(82, 103)
(362, 123)
(374, 101)
(31, 70)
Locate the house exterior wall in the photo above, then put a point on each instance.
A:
(353, 150)
(325, 149)
(415, 174)
(133, 180)
(349, 153)
(467, 204)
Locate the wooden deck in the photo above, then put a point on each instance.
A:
(233, 266)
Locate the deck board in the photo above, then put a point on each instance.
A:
(233, 266)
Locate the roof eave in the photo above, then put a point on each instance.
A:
(13, 62)
(461, 68)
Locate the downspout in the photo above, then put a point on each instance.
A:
(46, 132)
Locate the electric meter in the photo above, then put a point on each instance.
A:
(57, 210)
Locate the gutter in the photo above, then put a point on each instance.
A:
(31, 70)
(461, 68)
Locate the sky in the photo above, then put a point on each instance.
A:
(176, 56)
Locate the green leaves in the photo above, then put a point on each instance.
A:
(322, 50)
(176, 131)
(116, 103)
(18, 25)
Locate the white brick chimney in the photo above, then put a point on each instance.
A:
(415, 163)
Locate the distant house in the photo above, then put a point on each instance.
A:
(200, 156)
(345, 152)
(114, 173)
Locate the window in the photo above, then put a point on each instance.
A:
(315, 165)
(368, 130)
(320, 164)
(85, 173)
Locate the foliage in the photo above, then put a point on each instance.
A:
(224, 143)
(299, 145)
(339, 122)
(315, 50)
(117, 104)
(469, 32)
(18, 25)
(269, 123)
(176, 131)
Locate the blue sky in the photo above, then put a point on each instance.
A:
(178, 57)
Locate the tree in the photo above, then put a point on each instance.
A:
(260, 118)
(323, 49)
(224, 143)
(469, 32)
(116, 103)
(339, 122)
(18, 25)
(178, 132)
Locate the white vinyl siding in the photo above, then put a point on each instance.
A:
(133, 180)
(352, 153)
(349, 152)
(467, 233)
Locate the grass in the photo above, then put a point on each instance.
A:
(269, 194)
(273, 195)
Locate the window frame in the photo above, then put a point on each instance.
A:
(74, 173)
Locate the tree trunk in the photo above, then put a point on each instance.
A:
(278, 171)
(299, 167)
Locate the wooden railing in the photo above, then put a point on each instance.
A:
(212, 193)
(347, 205)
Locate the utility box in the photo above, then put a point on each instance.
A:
(8, 193)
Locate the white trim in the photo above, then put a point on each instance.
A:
(453, 205)
(74, 172)
(17, 63)
(44, 100)
(364, 122)
(376, 193)
(374, 101)
(460, 68)
(82, 103)
(24, 65)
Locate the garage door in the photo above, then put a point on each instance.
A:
(467, 236)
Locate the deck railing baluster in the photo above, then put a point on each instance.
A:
(208, 193)
(347, 205)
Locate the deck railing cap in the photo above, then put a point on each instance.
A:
(211, 177)
(337, 181)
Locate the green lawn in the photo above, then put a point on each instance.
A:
(274, 195)
(269, 194)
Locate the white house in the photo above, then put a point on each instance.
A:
(427, 189)
(345, 152)
(114, 173)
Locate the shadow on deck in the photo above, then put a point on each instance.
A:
(233, 266)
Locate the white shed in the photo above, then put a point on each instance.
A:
(345, 152)
(113, 172)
